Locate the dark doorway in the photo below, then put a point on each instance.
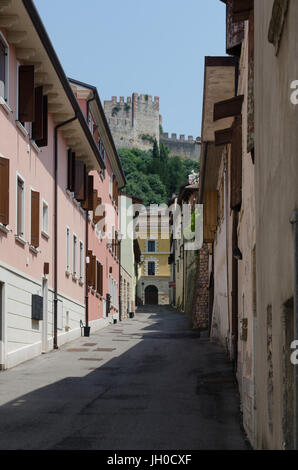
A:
(151, 295)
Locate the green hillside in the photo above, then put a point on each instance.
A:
(153, 176)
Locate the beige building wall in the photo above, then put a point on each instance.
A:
(276, 177)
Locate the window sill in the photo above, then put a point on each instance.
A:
(81, 282)
(5, 105)
(34, 249)
(67, 273)
(35, 146)
(45, 235)
(22, 128)
(20, 240)
(4, 228)
(74, 278)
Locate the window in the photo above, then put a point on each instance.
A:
(111, 186)
(20, 207)
(35, 208)
(67, 250)
(75, 245)
(4, 191)
(99, 287)
(81, 261)
(4, 67)
(151, 268)
(151, 246)
(45, 218)
(26, 102)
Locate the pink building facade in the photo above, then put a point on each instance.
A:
(103, 220)
(47, 154)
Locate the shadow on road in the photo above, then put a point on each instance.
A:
(170, 390)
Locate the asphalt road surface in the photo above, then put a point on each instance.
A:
(147, 383)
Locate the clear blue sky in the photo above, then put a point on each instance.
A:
(155, 47)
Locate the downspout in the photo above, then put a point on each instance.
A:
(86, 271)
(56, 227)
(120, 283)
(294, 221)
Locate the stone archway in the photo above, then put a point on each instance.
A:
(151, 295)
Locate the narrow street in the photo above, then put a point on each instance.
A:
(147, 383)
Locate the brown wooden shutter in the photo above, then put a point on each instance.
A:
(90, 268)
(99, 282)
(4, 191)
(88, 203)
(235, 31)
(93, 271)
(35, 219)
(94, 202)
(228, 108)
(26, 93)
(80, 181)
(210, 215)
(223, 137)
(241, 9)
(71, 170)
(236, 165)
(43, 142)
(37, 125)
(2, 62)
(101, 279)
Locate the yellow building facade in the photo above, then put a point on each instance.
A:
(154, 241)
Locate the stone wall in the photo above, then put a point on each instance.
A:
(200, 311)
(181, 147)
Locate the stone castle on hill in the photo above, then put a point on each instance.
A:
(136, 122)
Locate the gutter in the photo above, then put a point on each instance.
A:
(56, 227)
(86, 272)
(104, 119)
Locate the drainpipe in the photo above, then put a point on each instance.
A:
(120, 283)
(86, 271)
(294, 221)
(56, 228)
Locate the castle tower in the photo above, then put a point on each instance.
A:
(134, 122)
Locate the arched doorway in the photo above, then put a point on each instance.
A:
(151, 295)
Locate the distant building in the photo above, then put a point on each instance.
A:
(153, 284)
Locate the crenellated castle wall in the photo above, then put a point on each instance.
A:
(182, 147)
(134, 122)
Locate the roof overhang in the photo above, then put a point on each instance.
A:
(33, 46)
(219, 84)
(98, 114)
